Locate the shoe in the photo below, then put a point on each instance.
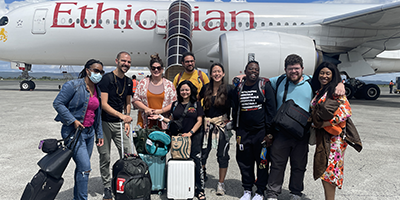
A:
(220, 189)
(246, 195)
(272, 198)
(201, 196)
(294, 197)
(107, 194)
(258, 197)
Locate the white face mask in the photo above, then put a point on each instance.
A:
(95, 77)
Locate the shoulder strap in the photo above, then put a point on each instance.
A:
(179, 78)
(261, 86)
(200, 76)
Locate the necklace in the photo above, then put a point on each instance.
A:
(123, 90)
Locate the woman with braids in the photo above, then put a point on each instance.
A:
(154, 95)
(78, 106)
(217, 113)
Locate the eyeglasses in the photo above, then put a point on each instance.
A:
(96, 71)
(189, 61)
(156, 68)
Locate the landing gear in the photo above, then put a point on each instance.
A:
(27, 85)
(361, 90)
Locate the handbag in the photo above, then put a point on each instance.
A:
(291, 119)
(55, 163)
(157, 143)
(175, 126)
(313, 137)
(142, 135)
(180, 147)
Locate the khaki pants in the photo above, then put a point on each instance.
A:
(111, 130)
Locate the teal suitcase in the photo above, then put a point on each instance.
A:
(157, 171)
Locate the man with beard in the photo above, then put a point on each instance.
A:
(253, 107)
(197, 77)
(285, 146)
(116, 92)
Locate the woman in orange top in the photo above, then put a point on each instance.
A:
(154, 95)
(331, 146)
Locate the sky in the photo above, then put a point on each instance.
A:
(7, 5)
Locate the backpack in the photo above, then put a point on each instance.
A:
(199, 77)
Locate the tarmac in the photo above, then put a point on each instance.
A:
(26, 117)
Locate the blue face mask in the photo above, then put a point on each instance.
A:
(95, 77)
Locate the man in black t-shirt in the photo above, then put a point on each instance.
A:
(253, 107)
(116, 92)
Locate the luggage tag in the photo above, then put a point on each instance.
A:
(238, 140)
(149, 142)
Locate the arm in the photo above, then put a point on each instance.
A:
(106, 107)
(340, 89)
(270, 111)
(195, 127)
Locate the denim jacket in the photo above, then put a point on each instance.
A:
(71, 104)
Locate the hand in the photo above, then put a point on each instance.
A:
(149, 112)
(127, 119)
(78, 124)
(187, 135)
(268, 139)
(127, 129)
(154, 117)
(100, 142)
(340, 89)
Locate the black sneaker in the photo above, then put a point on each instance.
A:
(107, 194)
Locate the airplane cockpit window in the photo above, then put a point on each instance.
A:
(4, 21)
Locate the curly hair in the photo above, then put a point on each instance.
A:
(193, 91)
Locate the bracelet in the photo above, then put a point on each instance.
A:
(162, 110)
(161, 119)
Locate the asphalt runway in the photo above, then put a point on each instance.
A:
(26, 117)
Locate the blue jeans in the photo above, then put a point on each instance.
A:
(82, 153)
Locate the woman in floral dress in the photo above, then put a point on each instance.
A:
(329, 115)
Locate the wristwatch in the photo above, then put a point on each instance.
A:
(270, 136)
(191, 132)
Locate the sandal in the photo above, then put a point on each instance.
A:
(201, 196)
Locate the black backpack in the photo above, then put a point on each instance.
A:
(131, 179)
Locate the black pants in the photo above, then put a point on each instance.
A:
(195, 154)
(222, 150)
(248, 149)
(282, 148)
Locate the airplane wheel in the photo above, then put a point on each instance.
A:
(32, 84)
(25, 85)
(349, 91)
(371, 92)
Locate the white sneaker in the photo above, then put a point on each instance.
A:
(294, 197)
(246, 195)
(220, 189)
(272, 198)
(258, 197)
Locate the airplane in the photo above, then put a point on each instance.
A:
(232, 33)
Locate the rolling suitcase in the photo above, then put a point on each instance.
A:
(131, 178)
(157, 171)
(42, 186)
(180, 177)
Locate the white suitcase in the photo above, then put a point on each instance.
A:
(180, 179)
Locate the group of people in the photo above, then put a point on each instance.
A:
(98, 102)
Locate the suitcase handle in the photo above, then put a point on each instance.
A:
(133, 148)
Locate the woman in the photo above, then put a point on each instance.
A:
(154, 95)
(77, 97)
(217, 111)
(329, 115)
(187, 93)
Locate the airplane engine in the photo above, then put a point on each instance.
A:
(268, 48)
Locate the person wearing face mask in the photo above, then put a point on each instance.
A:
(78, 106)
(253, 108)
(116, 93)
(154, 95)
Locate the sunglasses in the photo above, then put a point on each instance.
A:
(156, 68)
(96, 71)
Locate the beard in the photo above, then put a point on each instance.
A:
(295, 80)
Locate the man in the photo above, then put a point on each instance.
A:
(134, 84)
(253, 107)
(116, 92)
(197, 77)
(391, 86)
(285, 146)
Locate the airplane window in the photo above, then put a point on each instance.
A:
(130, 22)
(122, 22)
(286, 24)
(196, 24)
(100, 21)
(4, 21)
(247, 24)
(240, 24)
(210, 24)
(85, 21)
(302, 23)
(278, 24)
(262, 24)
(233, 24)
(63, 20)
(294, 24)
(217, 24)
(271, 24)
(137, 22)
(70, 20)
(77, 21)
(92, 21)
(144, 22)
(151, 22)
(107, 21)
(115, 22)
(203, 23)
(225, 24)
